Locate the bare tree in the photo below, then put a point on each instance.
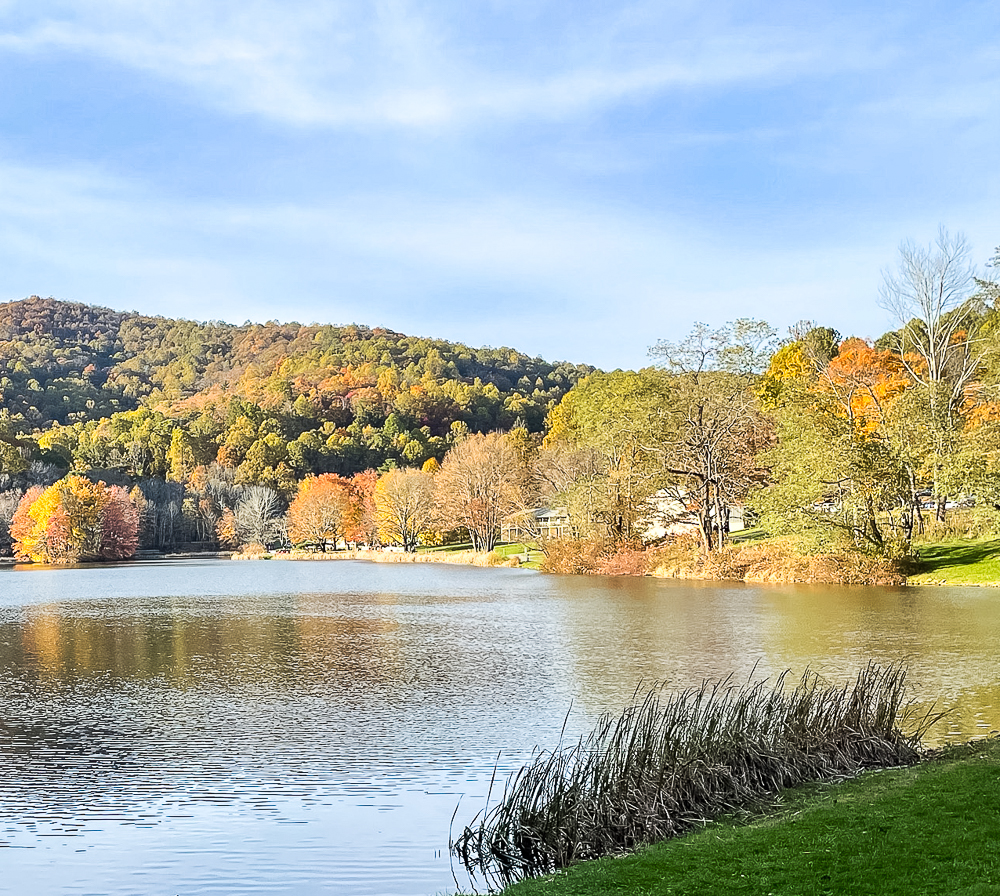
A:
(260, 516)
(161, 514)
(559, 466)
(479, 486)
(8, 505)
(931, 298)
(710, 450)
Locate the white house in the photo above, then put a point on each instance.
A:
(671, 512)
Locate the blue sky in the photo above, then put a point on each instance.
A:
(576, 180)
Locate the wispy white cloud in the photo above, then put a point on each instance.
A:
(712, 164)
(394, 63)
(595, 286)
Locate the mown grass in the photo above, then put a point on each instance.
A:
(930, 829)
(669, 761)
(745, 535)
(519, 549)
(957, 562)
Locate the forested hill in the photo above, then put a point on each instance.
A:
(351, 397)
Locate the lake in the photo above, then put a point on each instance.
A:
(199, 727)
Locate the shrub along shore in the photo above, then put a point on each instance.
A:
(933, 828)
(755, 557)
(957, 561)
(776, 561)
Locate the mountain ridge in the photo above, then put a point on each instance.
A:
(70, 373)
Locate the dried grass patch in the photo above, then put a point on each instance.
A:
(778, 561)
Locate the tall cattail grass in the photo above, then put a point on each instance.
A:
(671, 761)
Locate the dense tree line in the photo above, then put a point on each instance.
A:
(318, 436)
(69, 363)
(826, 438)
(480, 486)
(193, 414)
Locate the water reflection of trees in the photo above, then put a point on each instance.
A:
(621, 632)
(55, 642)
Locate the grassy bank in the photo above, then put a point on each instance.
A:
(930, 829)
(957, 562)
(670, 760)
(754, 557)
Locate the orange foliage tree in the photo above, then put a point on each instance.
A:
(321, 510)
(361, 525)
(75, 520)
(865, 381)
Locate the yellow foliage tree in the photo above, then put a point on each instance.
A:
(75, 520)
(404, 506)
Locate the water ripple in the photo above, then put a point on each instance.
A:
(310, 728)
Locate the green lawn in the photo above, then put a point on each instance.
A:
(930, 829)
(535, 556)
(958, 562)
(745, 535)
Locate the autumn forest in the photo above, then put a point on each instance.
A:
(122, 432)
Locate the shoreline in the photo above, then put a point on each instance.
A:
(464, 558)
(783, 569)
(877, 833)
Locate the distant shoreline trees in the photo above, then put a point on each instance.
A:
(75, 520)
(318, 436)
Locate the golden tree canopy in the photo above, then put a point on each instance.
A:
(75, 520)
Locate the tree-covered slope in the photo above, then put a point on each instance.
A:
(108, 388)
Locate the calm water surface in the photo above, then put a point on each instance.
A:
(212, 727)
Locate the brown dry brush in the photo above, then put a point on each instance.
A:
(671, 761)
(596, 556)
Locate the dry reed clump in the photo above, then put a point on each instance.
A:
(494, 558)
(253, 551)
(778, 561)
(595, 556)
(669, 762)
(574, 556)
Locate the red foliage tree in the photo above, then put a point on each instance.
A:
(119, 525)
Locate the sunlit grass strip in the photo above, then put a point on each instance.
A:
(671, 761)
